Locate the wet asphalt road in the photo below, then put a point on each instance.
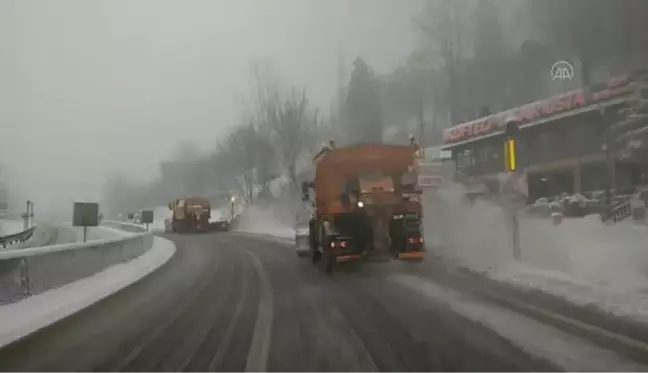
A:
(228, 302)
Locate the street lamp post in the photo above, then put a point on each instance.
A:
(232, 199)
(29, 212)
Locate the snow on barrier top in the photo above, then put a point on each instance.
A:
(35, 270)
(124, 226)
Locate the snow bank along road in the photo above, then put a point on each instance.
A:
(232, 302)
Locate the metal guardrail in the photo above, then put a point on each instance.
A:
(17, 237)
(31, 271)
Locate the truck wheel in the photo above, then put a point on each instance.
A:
(328, 263)
(317, 256)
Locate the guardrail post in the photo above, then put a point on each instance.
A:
(25, 284)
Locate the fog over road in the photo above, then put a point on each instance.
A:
(232, 302)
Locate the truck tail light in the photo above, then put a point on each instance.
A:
(414, 240)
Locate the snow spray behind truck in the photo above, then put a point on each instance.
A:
(367, 203)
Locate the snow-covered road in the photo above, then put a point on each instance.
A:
(569, 352)
(461, 311)
(566, 351)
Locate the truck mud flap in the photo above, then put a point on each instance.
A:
(412, 255)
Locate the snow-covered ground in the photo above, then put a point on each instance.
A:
(621, 302)
(611, 255)
(8, 227)
(25, 317)
(562, 349)
(581, 259)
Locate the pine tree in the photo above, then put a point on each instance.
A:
(363, 105)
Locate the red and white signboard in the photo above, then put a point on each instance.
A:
(435, 168)
(430, 174)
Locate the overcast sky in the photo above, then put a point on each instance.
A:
(87, 87)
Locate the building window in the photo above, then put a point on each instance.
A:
(485, 155)
(465, 159)
(543, 147)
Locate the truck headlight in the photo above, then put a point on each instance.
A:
(360, 204)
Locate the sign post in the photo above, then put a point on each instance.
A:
(435, 168)
(146, 217)
(85, 214)
(514, 189)
(514, 186)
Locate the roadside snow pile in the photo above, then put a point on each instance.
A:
(580, 260)
(479, 236)
(564, 351)
(610, 255)
(620, 302)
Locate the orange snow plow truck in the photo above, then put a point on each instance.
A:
(190, 215)
(367, 204)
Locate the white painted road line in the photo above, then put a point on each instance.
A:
(257, 358)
